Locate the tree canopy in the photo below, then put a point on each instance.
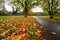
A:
(51, 6)
(26, 5)
(48, 5)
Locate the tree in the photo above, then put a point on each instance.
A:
(14, 5)
(50, 6)
(3, 4)
(26, 5)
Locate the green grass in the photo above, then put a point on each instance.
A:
(12, 18)
(9, 17)
(48, 17)
(55, 19)
(43, 16)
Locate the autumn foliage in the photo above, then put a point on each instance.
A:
(20, 28)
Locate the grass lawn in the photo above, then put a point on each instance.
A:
(19, 28)
(56, 18)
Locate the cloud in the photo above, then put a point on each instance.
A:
(37, 9)
(8, 8)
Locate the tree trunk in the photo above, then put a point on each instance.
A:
(51, 17)
(25, 12)
(13, 10)
(51, 14)
(16, 10)
(3, 9)
(25, 9)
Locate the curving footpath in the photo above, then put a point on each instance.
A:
(50, 27)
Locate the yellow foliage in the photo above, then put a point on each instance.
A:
(39, 31)
(35, 24)
(16, 37)
(53, 33)
(36, 33)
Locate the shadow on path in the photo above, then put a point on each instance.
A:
(50, 27)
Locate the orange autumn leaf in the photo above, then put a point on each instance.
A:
(16, 37)
(54, 33)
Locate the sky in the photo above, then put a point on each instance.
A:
(9, 8)
(36, 9)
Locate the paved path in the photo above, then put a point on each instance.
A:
(50, 27)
